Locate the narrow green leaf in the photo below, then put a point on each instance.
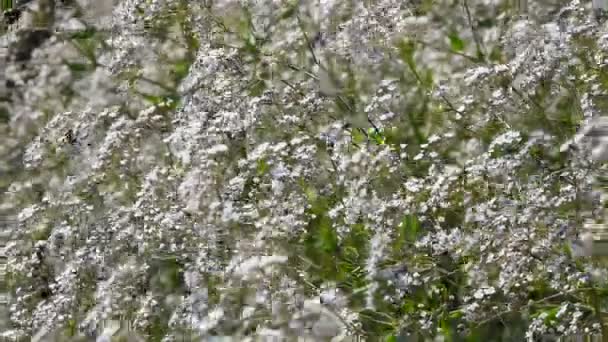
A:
(446, 329)
(357, 136)
(409, 228)
(192, 41)
(377, 136)
(456, 43)
(167, 101)
(262, 167)
(406, 52)
(7, 5)
(87, 33)
(5, 116)
(456, 314)
(289, 12)
(180, 70)
(78, 67)
(257, 88)
(551, 315)
(391, 338)
(71, 328)
(328, 240)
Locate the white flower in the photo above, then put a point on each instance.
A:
(212, 319)
(414, 185)
(489, 291)
(216, 149)
(479, 294)
(434, 138)
(250, 265)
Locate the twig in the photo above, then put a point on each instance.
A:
(598, 314)
(296, 68)
(473, 29)
(452, 51)
(527, 99)
(293, 87)
(369, 317)
(555, 295)
(308, 42)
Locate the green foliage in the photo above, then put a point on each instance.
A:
(262, 167)
(159, 325)
(335, 252)
(456, 43)
(406, 51)
(358, 137)
(79, 70)
(170, 102)
(338, 259)
(492, 129)
(409, 229)
(85, 34)
(71, 328)
(5, 116)
(326, 239)
(168, 275)
(251, 45)
(496, 55)
(6, 5)
(391, 338)
(257, 87)
(377, 136)
(180, 70)
(87, 42)
(289, 11)
(42, 232)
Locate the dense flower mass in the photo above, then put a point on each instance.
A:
(176, 169)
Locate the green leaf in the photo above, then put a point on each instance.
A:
(41, 233)
(409, 306)
(192, 41)
(257, 88)
(288, 13)
(262, 167)
(456, 314)
(251, 45)
(87, 33)
(78, 67)
(342, 105)
(170, 101)
(6, 5)
(327, 238)
(456, 43)
(406, 52)
(377, 136)
(357, 136)
(391, 338)
(139, 10)
(71, 328)
(428, 78)
(180, 70)
(496, 55)
(5, 116)
(350, 253)
(409, 228)
(551, 315)
(87, 48)
(309, 191)
(567, 250)
(446, 329)
(393, 136)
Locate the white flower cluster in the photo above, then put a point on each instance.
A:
(312, 168)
